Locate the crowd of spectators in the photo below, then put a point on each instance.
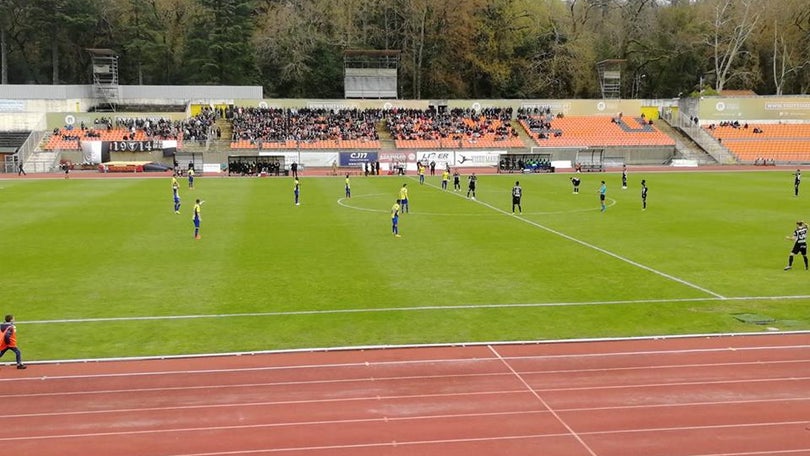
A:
(735, 125)
(259, 125)
(201, 127)
(538, 120)
(456, 124)
(197, 128)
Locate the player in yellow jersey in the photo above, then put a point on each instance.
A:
(348, 187)
(196, 218)
(445, 179)
(403, 199)
(395, 218)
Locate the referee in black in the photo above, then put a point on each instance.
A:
(517, 193)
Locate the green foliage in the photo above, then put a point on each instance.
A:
(470, 49)
(98, 268)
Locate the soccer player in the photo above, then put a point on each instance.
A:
(395, 218)
(196, 218)
(445, 179)
(456, 181)
(643, 195)
(296, 190)
(799, 239)
(191, 179)
(403, 199)
(420, 169)
(8, 340)
(603, 195)
(624, 177)
(575, 182)
(471, 183)
(175, 184)
(797, 179)
(348, 187)
(517, 193)
(176, 195)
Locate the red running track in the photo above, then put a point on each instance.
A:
(701, 396)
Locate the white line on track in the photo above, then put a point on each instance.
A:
(415, 443)
(543, 402)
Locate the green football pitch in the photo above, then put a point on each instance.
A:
(97, 268)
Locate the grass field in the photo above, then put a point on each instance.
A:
(104, 268)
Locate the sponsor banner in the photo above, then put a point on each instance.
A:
(357, 158)
(397, 157)
(754, 108)
(477, 158)
(132, 146)
(441, 158)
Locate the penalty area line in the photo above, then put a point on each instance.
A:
(600, 249)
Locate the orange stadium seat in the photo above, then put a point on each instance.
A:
(777, 142)
(595, 131)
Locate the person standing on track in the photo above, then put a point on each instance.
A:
(799, 239)
(517, 194)
(8, 340)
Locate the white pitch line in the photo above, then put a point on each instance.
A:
(594, 247)
(414, 309)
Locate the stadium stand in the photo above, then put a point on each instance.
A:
(197, 128)
(757, 143)
(273, 128)
(459, 128)
(592, 131)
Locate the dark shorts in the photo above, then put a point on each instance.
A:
(799, 248)
(515, 200)
(601, 197)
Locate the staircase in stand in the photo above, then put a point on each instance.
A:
(42, 161)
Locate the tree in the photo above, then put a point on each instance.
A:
(219, 47)
(733, 21)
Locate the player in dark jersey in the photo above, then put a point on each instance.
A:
(624, 177)
(471, 183)
(456, 181)
(799, 239)
(797, 179)
(517, 194)
(643, 195)
(575, 182)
